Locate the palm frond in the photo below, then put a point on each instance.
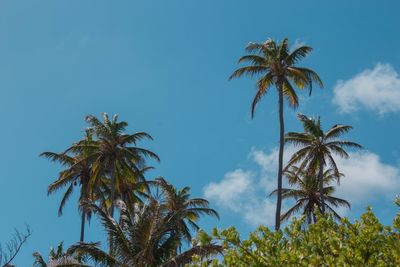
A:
(337, 130)
(263, 84)
(61, 158)
(39, 261)
(290, 94)
(286, 215)
(311, 126)
(253, 59)
(298, 54)
(93, 252)
(65, 198)
(249, 71)
(344, 144)
(186, 257)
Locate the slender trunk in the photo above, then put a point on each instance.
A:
(83, 201)
(112, 199)
(83, 225)
(309, 219)
(321, 185)
(280, 164)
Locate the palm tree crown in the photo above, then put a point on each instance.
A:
(115, 154)
(184, 210)
(276, 65)
(307, 195)
(58, 258)
(149, 235)
(317, 148)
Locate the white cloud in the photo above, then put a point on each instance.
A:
(377, 90)
(261, 212)
(367, 178)
(238, 192)
(245, 192)
(268, 162)
(230, 191)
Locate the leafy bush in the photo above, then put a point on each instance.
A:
(366, 242)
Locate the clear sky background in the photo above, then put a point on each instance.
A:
(163, 67)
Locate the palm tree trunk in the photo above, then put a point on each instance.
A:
(82, 225)
(314, 217)
(112, 199)
(321, 185)
(280, 163)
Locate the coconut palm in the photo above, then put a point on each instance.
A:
(148, 237)
(307, 195)
(317, 148)
(276, 65)
(115, 154)
(185, 211)
(77, 172)
(57, 258)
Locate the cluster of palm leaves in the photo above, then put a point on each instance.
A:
(276, 65)
(56, 258)
(148, 230)
(312, 170)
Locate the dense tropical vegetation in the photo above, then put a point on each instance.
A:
(326, 243)
(150, 222)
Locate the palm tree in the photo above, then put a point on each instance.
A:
(276, 65)
(77, 171)
(115, 154)
(184, 210)
(318, 147)
(148, 237)
(307, 194)
(57, 258)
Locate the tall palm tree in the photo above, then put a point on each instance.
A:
(276, 65)
(114, 154)
(317, 148)
(149, 237)
(58, 258)
(307, 193)
(77, 171)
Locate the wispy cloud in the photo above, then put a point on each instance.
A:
(376, 89)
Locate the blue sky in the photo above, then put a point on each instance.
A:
(163, 67)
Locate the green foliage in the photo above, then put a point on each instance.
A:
(304, 189)
(275, 64)
(151, 233)
(58, 258)
(366, 242)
